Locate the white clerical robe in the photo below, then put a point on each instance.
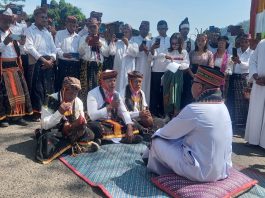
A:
(143, 65)
(255, 128)
(124, 61)
(197, 144)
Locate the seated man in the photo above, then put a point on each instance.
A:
(63, 124)
(197, 144)
(136, 104)
(108, 114)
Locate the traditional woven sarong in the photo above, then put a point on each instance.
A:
(108, 129)
(89, 78)
(66, 68)
(236, 102)
(172, 90)
(14, 95)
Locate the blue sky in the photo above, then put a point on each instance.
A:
(201, 13)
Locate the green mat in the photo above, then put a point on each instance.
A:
(118, 170)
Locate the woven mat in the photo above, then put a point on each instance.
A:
(117, 169)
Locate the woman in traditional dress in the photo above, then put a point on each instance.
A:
(173, 82)
(222, 60)
(200, 56)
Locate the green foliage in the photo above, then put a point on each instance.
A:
(3, 3)
(59, 11)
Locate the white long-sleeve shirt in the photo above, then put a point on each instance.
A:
(244, 57)
(66, 43)
(95, 102)
(197, 144)
(158, 64)
(8, 51)
(18, 28)
(124, 61)
(136, 111)
(50, 119)
(39, 42)
(180, 58)
(143, 64)
(87, 54)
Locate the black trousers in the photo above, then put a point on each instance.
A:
(156, 95)
(66, 68)
(42, 86)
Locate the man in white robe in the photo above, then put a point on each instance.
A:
(255, 128)
(125, 52)
(197, 144)
(143, 59)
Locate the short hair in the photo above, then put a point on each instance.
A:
(38, 11)
(161, 22)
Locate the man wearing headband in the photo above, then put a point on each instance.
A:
(66, 42)
(64, 119)
(184, 28)
(108, 114)
(92, 49)
(142, 64)
(198, 142)
(136, 104)
(42, 55)
(14, 95)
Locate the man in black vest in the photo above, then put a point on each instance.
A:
(63, 121)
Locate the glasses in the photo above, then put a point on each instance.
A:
(174, 43)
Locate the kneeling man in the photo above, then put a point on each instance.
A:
(197, 144)
(63, 124)
(109, 117)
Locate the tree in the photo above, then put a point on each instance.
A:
(3, 3)
(59, 12)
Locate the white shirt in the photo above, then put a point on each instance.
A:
(18, 28)
(124, 61)
(197, 143)
(143, 64)
(50, 119)
(95, 102)
(181, 58)
(244, 57)
(66, 43)
(87, 54)
(83, 32)
(39, 42)
(192, 44)
(136, 111)
(158, 64)
(8, 51)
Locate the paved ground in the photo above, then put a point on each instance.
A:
(21, 176)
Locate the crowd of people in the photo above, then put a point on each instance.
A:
(62, 79)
